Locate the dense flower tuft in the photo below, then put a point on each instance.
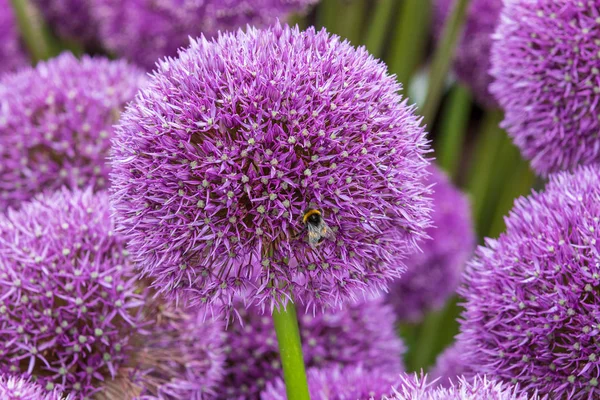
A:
(218, 159)
(361, 333)
(74, 317)
(73, 20)
(472, 60)
(340, 383)
(12, 55)
(433, 274)
(56, 122)
(546, 65)
(12, 388)
(451, 364)
(145, 31)
(531, 298)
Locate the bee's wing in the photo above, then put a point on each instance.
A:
(327, 232)
(314, 234)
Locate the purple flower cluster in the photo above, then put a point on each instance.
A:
(472, 60)
(144, 31)
(451, 364)
(12, 55)
(56, 123)
(12, 387)
(532, 304)
(71, 19)
(546, 65)
(434, 273)
(74, 316)
(361, 333)
(341, 383)
(219, 157)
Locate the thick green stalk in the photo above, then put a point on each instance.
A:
(442, 58)
(378, 26)
(344, 18)
(33, 31)
(424, 353)
(410, 39)
(455, 120)
(290, 349)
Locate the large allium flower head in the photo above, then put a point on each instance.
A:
(68, 302)
(546, 64)
(451, 364)
(144, 31)
(433, 274)
(12, 55)
(531, 308)
(71, 19)
(56, 122)
(472, 59)
(13, 388)
(340, 383)
(361, 333)
(413, 387)
(218, 159)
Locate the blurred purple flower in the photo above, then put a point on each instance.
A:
(218, 159)
(12, 388)
(451, 364)
(472, 60)
(546, 64)
(361, 333)
(12, 55)
(340, 383)
(145, 31)
(433, 274)
(73, 20)
(56, 122)
(72, 316)
(531, 303)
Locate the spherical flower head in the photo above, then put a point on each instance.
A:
(340, 383)
(361, 333)
(452, 364)
(71, 19)
(144, 31)
(472, 58)
(531, 306)
(219, 159)
(413, 387)
(433, 274)
(11, 52)
(546, 65)
(56, 122)
(12, 387)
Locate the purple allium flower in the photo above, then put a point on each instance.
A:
(361, 333)
(434, 273)
(12, 55)
(74, 317)
(451, 364)
(71, 19)
(12, 388)
(472, 59)
(218, 159)
(56, 122)
(546, 65)
(340, 383)
(532, 304)
(480, 388)
(145, 31)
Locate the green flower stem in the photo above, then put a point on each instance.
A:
(344, 18)
(33, 30)
(455, 120)
(424, 353)
(378, 27)
(290, 349)
(410, 39)
(442, 57)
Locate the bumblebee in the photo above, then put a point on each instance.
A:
(317, 228)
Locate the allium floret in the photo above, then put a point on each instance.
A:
(531, 298)
(56, 122)
(546, 65)
(218, 159)
(12, 55)
(361, 333)
(341, 383)
(433, 274)
(144, 31)
(13, 388)
(472, 59)
(450, 365)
